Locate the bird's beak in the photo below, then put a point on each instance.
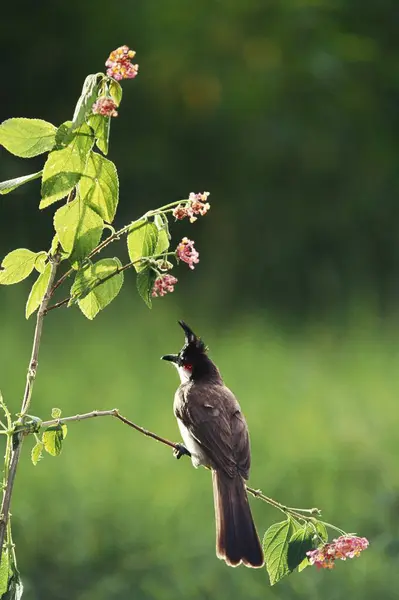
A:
(170, 357)
(189, 333)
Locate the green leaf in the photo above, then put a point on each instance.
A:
(8, 186)
(305, 563)
(101, 126)
(64, 135)
(163, 234)
(17, 265)
(64, 168)
(115, 90)
(91, 296)
(87, 98)
(99, 187)
(56, 413)
(78, 228)
(322, 532)
(37, 452)
(275, 547)
(37, 292)
(40, 261)
(299, 544)
(142, 241)
(52, 440)
(27, 137)
(4, 571)
(145, 283)
(15, 588)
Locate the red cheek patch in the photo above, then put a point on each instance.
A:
(188, 367)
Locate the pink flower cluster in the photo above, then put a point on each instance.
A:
(105, 106)
(163, 284)
(186, 252)
(119, 65)
(197, 204)
(346, 546)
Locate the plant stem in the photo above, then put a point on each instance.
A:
(113, 237)
(11, 467)
(115, 413)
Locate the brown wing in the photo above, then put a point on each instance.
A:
(213, 417)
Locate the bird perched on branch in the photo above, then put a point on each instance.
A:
(215, 434)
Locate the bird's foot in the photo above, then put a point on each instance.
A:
(180, 451)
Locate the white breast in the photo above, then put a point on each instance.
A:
(198, 456)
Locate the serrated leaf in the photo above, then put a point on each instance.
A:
(142, 241)
(78, 228)
(145, 283)
(305, 563)
(92, 297)
(27, 137)
(299, 544)
(321, 530)
(4, 571)
(275, 547)
(64, 168)
(115, 90)
(17, 265)
(37, 452)
(99, 186)
(101, 126)
(56, 413)
(40, 261)
(11, 184)
(87, 98)
(163, 242)
(15, 588)
(52, 440)
(64, 135)
(37, 292)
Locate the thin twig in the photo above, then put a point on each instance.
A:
(178, 447)
(30, 378)
(102, 280)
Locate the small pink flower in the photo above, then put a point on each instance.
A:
(346, 546)
(163, 284)
(119, 65)
(105, 107)
(197, 204)
(187, 253)
(180, 212)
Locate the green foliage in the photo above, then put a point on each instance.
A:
(144, 282)
(38, 290)
(4, 571)
(52, 440)
(17, 265)
(101, 127)
(87, 98)
(99, 187)
(275, 547)
(96, 285)
(40, 262)
(163, 234)
(64, 168)
(115, 90)
(300, 542)
(8, 186)
(27, 137)
(37, 452)
(78, 228)
(56, 413)
(142, 242)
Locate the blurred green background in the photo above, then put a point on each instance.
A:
(287, 112)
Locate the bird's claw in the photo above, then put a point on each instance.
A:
(180, 451)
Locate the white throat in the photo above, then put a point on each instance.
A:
(184, 373)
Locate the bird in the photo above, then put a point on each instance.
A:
(215, 434)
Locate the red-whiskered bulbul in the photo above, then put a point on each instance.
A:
(215, 433)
